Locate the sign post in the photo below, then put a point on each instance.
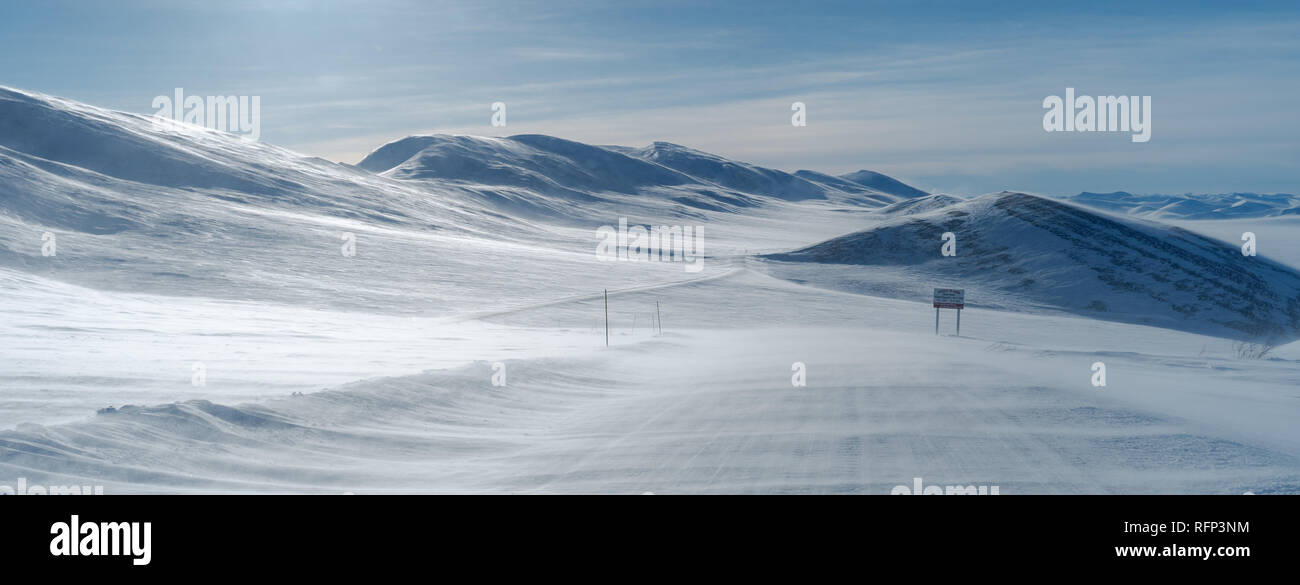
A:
(949, 298)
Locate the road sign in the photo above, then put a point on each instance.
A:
(949, 298)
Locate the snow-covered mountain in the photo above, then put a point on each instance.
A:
(1193, 206)
(1040, 251)
(730, 174)
(581, 173)
(542, 163)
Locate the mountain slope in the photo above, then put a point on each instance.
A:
(584, 173)
(858, 194)
(46, 140)
(1053, 254)
(728, 173)
(920, 205)
(124, 146)
(884, 184)
(537, 162)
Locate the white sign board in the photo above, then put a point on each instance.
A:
(949, 298)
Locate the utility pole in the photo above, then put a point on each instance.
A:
(607, 319)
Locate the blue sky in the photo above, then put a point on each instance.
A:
(947, 95)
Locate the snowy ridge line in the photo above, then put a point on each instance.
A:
(559, 168)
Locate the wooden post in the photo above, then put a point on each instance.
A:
(936, 320)
(607, 318)
(659, 323)
(958, 322)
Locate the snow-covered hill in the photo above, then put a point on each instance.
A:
(542, 163)
(1040, 251)
(855, 194)
(884, 184)
(920, 205)
(730, 174)
(582, 173)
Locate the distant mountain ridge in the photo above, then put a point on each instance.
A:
(564, 167)
(1192, 206)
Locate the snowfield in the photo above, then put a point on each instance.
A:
(200, 328)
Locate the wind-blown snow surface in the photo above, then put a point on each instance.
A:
(374, 373)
